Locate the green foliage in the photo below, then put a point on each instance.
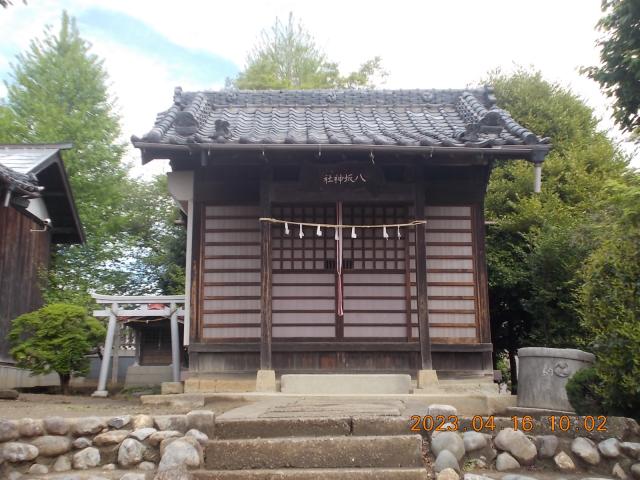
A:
(56, 338)
(583, 392)
(537, 244)
(610, 300)
(287, 58)
(619, 71)
(58, 92)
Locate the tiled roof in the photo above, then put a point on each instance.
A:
(439, 118)
(23, 184)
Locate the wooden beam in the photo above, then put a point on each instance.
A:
(342, 346)
(265, 273)
(421, 278)
(481, 275)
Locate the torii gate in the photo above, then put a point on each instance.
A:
(141, 309)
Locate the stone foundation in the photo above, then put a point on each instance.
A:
(142, 443)
(614, 452)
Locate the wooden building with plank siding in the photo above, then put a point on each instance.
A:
(306, 296)
(37, 210)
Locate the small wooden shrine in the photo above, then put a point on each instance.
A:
(37, 210)
(336, 231)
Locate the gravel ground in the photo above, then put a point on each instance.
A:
(40, 405)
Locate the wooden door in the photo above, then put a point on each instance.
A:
(303, 271)
(377, 296)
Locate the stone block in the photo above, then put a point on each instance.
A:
(346, 384)
(203, 420)
(170, 388)
(266, 381)
(427, 379)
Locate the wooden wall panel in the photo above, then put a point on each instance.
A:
(451, 275)
(231, 279)
(23, 254)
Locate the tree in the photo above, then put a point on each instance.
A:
(56, 338)
(537, 243)
(609, 301)
(58, 92)
(287, 58)
(619, 72)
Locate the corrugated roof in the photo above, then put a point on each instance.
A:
(438, 118)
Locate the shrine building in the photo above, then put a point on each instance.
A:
(336, 231)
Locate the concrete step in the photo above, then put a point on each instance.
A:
(282, 427)
(402, 451)
(315, 474)
(345, 383)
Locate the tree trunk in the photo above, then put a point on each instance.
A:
(513, 370)
(65, 378)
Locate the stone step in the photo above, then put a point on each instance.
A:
(282, 427)
(402, 451)
(345, 383)
(315, 474)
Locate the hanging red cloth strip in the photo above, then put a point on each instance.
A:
(339, 259)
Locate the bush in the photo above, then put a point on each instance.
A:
(582, 390)
(56, 338)
(610, 303)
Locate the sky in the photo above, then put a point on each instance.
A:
(151, 46)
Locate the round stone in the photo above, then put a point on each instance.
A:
(86, 458)
(445, 461)
(38, 469)
(564, 462)
(618, 472)
(504, 462)
(586, 450)
(112, 437)
(474, 441)
(130, 452)
(28, 427)
(609, 448)
(448, 474)
(448, 441)
(517, 444)
(179, 452)
(202, 438)
(631, 449)
(147, 466)
(119, 422)
(8, 430)
(62, 464)
(19, 452)
(88, 426)
(635, 470)
(81, 442)
(52, 445)
(142, 421)
(56, 425)
(157, 437)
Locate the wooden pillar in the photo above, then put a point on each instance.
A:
(421, 280)
(196, 276)
(265, 273)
